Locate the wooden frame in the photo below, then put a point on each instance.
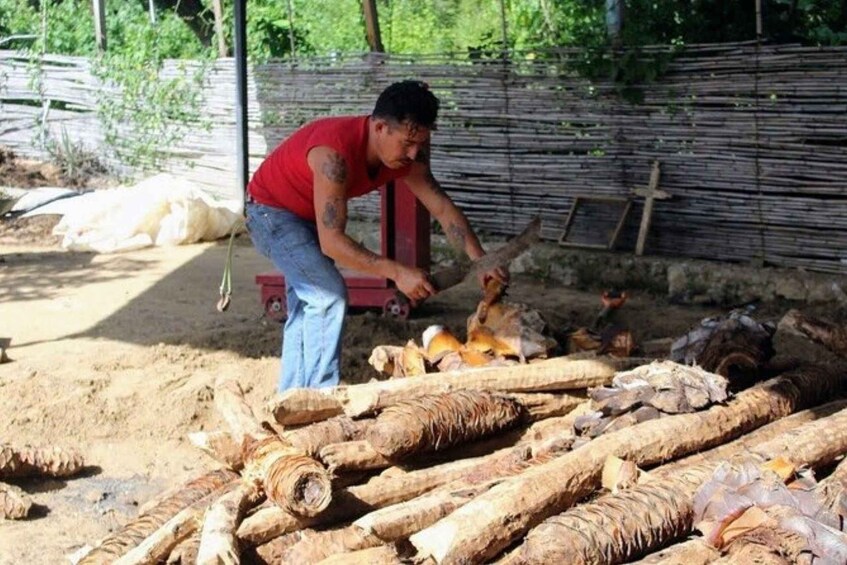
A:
(627, 204)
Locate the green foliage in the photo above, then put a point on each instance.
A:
(70, 28)
(320, 27)
(152, 112)
(329, 27)
(75, 161)
(326, 27)
(129, 31)
(67, 32)
(427, 27)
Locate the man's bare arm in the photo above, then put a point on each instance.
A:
(330, 174)
(427, 189)
(330, 187)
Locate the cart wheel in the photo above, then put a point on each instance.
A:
(397, 307)
(275, 308)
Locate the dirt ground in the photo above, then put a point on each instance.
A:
(116, 356)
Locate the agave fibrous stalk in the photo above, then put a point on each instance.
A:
(380, 555)
(185, 553)
(357, 500)
(288, 476)
(118, 543)
(14, 503)
(484, 527)
(29, 461)
(434, 422)
(556, 374)
(691, 552)
(270, 553)
(158, 545)
(218, 541)
(291, 479)
(830, 335)
(316, 546)
(616, 528)
(315, 436)
(219, 445)
(303, 406)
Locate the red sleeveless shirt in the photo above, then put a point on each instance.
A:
(285, 180)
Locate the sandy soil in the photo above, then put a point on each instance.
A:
(116, 356)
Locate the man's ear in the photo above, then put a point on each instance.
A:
(380, 125)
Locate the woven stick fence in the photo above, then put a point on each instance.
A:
(752, 139)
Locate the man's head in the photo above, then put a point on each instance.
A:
(403, 118)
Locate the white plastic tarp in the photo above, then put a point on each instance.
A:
(161, 210)
(31, 199)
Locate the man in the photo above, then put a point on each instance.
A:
(297, 214)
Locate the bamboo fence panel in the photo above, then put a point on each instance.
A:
(752, 139)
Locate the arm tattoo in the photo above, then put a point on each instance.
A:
(334, 168)
(332, 216)
(456, 236)
(370, 256)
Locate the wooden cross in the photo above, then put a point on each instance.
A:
(650, 194)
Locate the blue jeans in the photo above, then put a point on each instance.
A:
(315, 292)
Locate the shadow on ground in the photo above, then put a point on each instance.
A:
(179, 307)
(42, 274)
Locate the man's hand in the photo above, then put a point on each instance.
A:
(414, 283)
(500, 274)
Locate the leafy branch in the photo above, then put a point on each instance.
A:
(142, 110)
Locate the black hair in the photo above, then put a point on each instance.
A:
(409, 100)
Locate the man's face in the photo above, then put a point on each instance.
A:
(401, 143)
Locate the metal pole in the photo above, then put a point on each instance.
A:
(241, 93)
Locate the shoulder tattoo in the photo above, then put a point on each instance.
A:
(334, 168)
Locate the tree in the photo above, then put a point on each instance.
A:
(194, 13)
